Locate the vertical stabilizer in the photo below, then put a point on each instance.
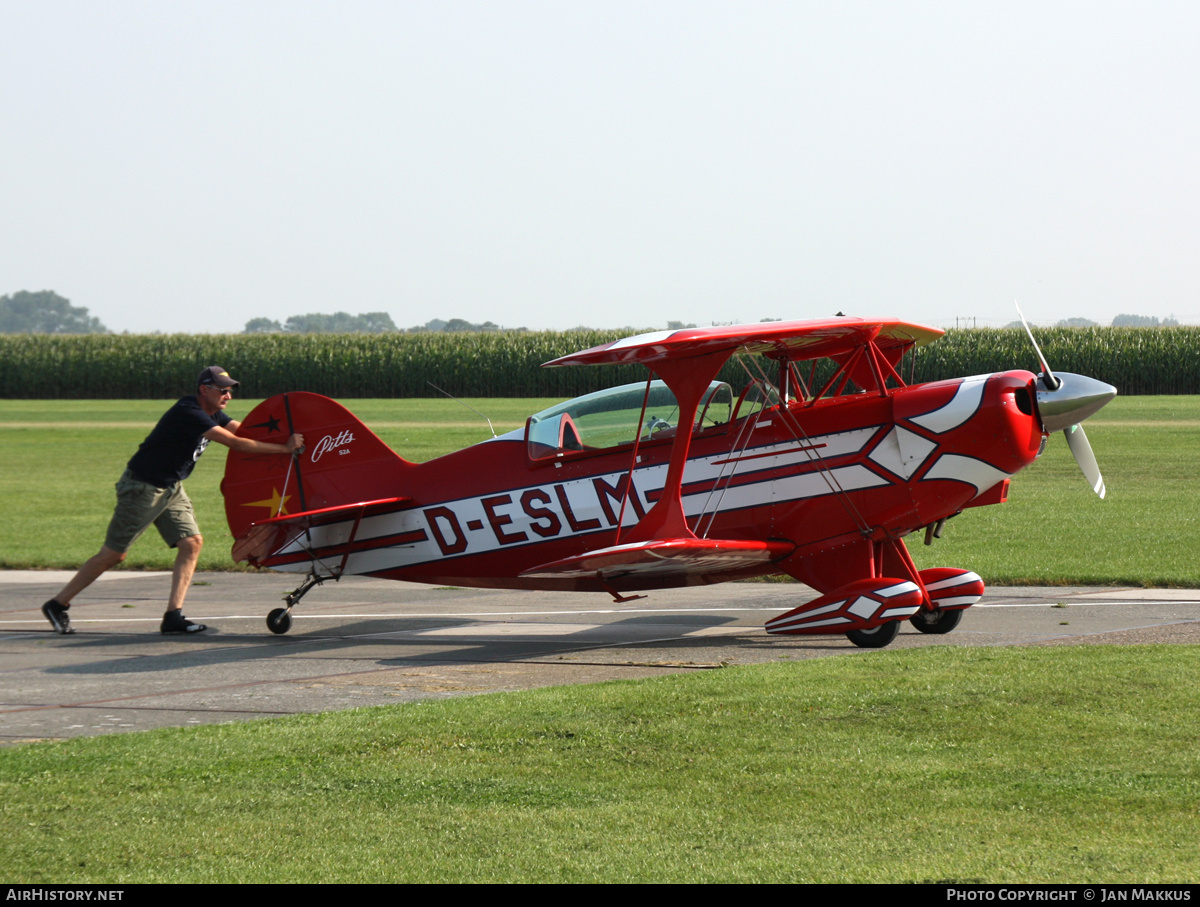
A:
(343, 462)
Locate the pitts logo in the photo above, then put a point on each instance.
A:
(329, 442)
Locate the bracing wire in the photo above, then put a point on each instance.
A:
(637, 440)
(797, 431)
(731, 463)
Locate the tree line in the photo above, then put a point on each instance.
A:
(1121, 321)
(365, 323)
(45, 312)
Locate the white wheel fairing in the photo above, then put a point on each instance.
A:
(860, 605)
(951, 582)
(951, 588)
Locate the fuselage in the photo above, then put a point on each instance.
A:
(819, 475)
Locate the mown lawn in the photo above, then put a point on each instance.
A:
(940, 764)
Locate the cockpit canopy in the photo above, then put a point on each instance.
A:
(609, 418)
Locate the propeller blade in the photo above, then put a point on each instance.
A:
(1082, 450)
(1064, 402)
(1050, 381)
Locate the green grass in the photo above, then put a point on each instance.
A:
(991, 765)
(61, 459)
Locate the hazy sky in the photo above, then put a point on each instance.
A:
(187, 166)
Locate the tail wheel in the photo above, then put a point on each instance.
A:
(279, 621)
(936, 622)
(876, 637)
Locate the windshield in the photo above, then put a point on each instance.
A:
(609, 417)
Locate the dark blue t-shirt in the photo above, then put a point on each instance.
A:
(170, 452)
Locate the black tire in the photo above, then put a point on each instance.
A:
(877, 637)
(936, 622)
(279, 621)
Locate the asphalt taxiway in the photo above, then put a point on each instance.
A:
(369, 642)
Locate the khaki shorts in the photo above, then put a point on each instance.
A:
(140, 504)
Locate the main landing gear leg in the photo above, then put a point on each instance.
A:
(280, 620)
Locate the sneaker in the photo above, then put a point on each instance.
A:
(58, 617)
(175, 622)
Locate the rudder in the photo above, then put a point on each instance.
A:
(343, 462)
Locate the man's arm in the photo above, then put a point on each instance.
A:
(250, 446)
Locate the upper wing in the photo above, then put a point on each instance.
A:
(794, 340)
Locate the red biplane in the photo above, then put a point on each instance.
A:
(818, 467)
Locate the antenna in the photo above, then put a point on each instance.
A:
(471, 408)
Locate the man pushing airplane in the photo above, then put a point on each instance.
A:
(151, 492)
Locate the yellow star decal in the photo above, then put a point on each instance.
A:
(277, 504)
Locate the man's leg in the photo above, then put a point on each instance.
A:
(56, 608)
(91, 570)
(181, 578)
(186, 557)
(138, 505)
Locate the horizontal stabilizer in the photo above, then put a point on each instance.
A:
(861, 605)
(265, 537)
(661, 558)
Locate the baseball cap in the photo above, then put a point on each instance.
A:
(217, 376)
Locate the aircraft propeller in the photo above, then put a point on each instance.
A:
(1064, 401)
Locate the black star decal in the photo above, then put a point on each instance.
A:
(271, 425)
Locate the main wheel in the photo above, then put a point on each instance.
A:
(936, 621)
(876, 637)
(279, 621)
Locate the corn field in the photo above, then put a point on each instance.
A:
(41, 366)
(1133, 360)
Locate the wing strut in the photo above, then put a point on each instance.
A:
(688, 379)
